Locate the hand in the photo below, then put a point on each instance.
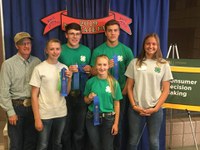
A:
(39, 125)
(114, 130)
(91, 96)
(68, 73)
(124, 91)
(13, 119)
(111, 63)
(87, 69)
(73, 68)
(144, 114)
(150, 111)
(141, 111)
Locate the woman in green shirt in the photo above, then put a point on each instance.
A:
(107, 89)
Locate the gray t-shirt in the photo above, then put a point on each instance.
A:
(148, 81)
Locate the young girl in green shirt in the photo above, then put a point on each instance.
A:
(108, 91)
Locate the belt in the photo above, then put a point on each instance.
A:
(22, 102)
(106, 114)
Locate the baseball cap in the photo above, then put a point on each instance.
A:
(21, 35)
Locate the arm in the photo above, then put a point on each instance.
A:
(124, 91)
(93, 71)
(130, 85)
(35, 106)
(88, 99)
(114, 130)
(5, 96)
(162, 98)
(87, 69)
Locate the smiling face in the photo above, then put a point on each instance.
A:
(150, 47)
(53, 51)
(102, 66)
(24, 47)
(73, 38)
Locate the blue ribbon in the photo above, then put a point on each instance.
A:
(83, 77)
(116, 67)
(96, 111)
(64, 81)
(75, 81)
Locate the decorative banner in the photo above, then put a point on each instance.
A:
(184, 88)
(89, 26)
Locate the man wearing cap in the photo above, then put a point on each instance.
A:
(15, 94)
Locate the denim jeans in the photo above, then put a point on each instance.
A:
(74, 133)
(51, 127)
(136, 125)
(23, 134)
(120, 139)
(100, 136)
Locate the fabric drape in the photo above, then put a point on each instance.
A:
(147, 16)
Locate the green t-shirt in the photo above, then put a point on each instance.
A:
(72, 56)
(76, 56)
(123, 53)
(102, 89)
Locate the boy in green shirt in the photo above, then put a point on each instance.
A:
(112, 47)
(77, 57)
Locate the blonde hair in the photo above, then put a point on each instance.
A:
(111, 80)
(53, 40)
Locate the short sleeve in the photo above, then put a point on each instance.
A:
(35, 78)
(167, 74)
(130, 70)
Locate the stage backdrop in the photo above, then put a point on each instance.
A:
(23, 15)
(147, 16)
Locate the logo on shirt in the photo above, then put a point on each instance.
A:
(83, 58)
(108, 89)
(157, 69)
(120, 58)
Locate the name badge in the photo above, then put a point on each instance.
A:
(142, 68)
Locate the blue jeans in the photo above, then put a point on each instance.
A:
(100, 136)
(23, 134)
(74, 133)
(136, 126)
(120, 140)
(54, 128)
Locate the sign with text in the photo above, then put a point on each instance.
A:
(185, 87)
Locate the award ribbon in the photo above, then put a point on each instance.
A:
(83, 77)
(96, 111)
(116, 67)
(64, 81)
(75, 81)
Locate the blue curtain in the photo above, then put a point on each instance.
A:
(25, 15)
(147, 16)
(22, 15)
(89, 9)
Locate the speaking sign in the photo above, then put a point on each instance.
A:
(185, 87)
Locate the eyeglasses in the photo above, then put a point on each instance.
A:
(25, 43)
(74, 34)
